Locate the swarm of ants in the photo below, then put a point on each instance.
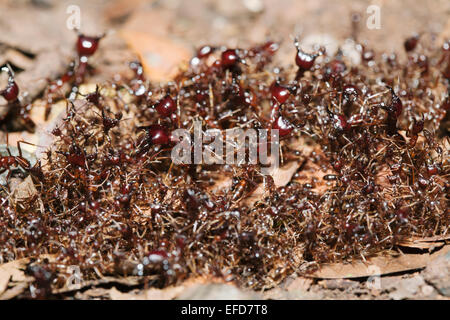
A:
(111, 201)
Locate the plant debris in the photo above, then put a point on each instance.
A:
(371, 170)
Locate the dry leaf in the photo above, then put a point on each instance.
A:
(120, 9)
(427, 243)
(292, 288)
(12, 272)
(15, 276)
(299, 283)
(16, 58)
(16, 290)
(281, 177)
(430, 239)
(430, 246)
(115, 294)
(160, 56)
(377, 266)
(167, 293)
(25, 190)
(127, 281)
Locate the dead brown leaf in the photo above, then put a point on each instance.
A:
(377, 266)
(427, 243)
(292, 288)
(299, 283)
(431, 239)
(14, 291)
(25, 190)
(12, 272)
(119, 9)
(127, 281)
(281, 177)
(13, 280)
(160, 56)
(16, 58)
(167, 293)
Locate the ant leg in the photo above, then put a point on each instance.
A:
(20, 148)
(29, 143)
(8, 176)
(7, 144)
(22, 161)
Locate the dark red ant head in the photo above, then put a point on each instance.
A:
(303, 60)
(283, 125)
(11, 92)
(229, 58)
(279, 93)
(87, 46)
(75, 156)
(402, 214)
(109, 123)
(411, 43)
(157, 134)
(166, 106)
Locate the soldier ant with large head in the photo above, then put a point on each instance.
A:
(10, 162)
(17, 116)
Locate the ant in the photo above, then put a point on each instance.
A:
(86, 46)
(52, 92)
(16, 110)
(11, 92)
(109, 123)
(393, 110)
(243, 185)
(75, 156)
(416, 128)
(10, 161)
(305, 61)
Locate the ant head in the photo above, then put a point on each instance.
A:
(87, 45)
(11, 92)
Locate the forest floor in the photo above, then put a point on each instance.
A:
(34, 38)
